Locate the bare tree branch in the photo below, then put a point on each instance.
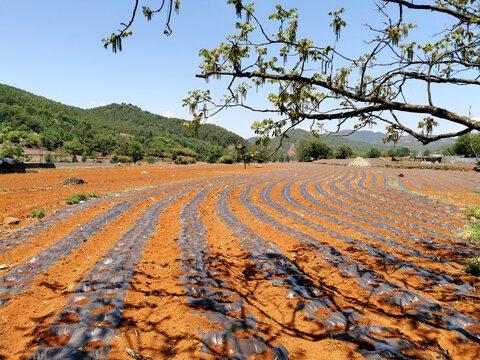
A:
(411, 5)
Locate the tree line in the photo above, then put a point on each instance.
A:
(467, 145)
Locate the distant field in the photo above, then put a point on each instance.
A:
(284, 261)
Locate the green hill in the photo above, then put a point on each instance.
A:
(31, 121)
(132, 120)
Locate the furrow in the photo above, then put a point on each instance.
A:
(405, 216)
(95, 308)
(382, 225)
(18, 279)
(205, 289)
(425, 310)
(343, 325)
(406, 197)
(400, 265)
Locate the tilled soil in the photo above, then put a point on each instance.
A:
(279, 262)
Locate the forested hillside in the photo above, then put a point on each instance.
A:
(132, 120)
(125, 131)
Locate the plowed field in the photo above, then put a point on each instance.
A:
(215, 262)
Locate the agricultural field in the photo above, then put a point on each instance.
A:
(294, 261)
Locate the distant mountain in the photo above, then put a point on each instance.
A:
(404, 141)
(32, 121)
(360, 141)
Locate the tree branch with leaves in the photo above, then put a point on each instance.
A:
(319, 83)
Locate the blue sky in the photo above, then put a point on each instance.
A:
(53, 48)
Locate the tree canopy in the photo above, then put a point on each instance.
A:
(344, 152)
(313, 149)
(467, 145)
(319, 83)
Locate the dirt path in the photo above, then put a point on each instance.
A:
(279, 262)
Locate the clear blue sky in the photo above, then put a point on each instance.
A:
(53, 48)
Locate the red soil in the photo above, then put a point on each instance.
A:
(156, 320)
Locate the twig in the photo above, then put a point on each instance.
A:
(136, 356)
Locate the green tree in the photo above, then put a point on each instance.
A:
(244, 154)
(389, 153)
(448, 151)
(467, 145)
(344, 152)
(135, 151)
(8, 150)
(226, 159)
(51, 139)
(214, 154)
(14, 136)
(403, 152)
(368, 87)
(74, 147)
(31, 140)
(374, 153)
(308, 150)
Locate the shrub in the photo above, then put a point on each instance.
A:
(76, 199)
(181, 161)
(121, 159)
(214, 154)
(473, 266)
(10, 151)
(191, 161)
(227, 159)
(389, 153)
(31, 140)
(13, 136)
(48, 157)
(151, 160)
(135, 151)
(403, 152)
(182, 151)
(40, 213)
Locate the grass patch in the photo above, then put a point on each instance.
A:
(39, 213)
(76, 199)
(472, 231)
(473, 266)
(473, 211)
(123, 191)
